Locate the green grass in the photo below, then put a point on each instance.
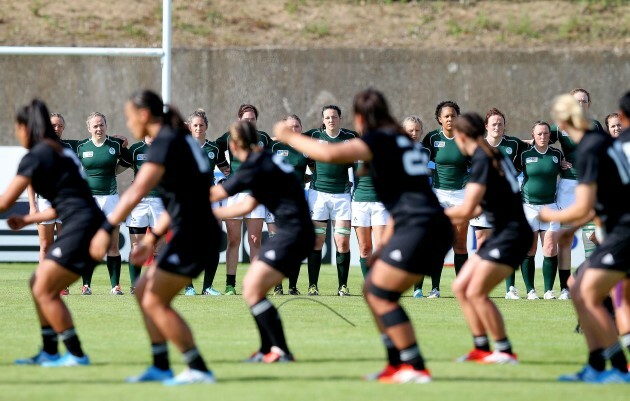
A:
(332, 355)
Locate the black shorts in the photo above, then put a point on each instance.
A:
(419, 248)
(190, 251)
(509, 246)
(614, 252)
(72, 248)
(288, 248)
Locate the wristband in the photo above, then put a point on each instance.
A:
(108, 227)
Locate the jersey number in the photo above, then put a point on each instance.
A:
(414, 161)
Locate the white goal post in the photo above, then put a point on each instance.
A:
(164, 52)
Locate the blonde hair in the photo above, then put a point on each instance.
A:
(95, 114)
(566, 109)
(244, 135)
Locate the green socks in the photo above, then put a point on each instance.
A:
(528, 268)
(113, 267)
(458, 260)
(510, 281)
(364, 266)
(343, 268)
(314, 264)
(134, 273)
(550, 268)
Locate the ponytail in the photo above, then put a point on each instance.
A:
(35, 117)
(147, 99)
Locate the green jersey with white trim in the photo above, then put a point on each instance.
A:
(568, 147)
(328, 177)
(451, 166)
(540, 172)
(138, 152)
(99, 164)
(216, 158)
(222, 143)
(512, 148)
(363, 184)
(298, 160)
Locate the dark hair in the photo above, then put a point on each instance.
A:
(372, 106)
(540, 122)
(608, 117)
(624, 104)
(494, 112)
(577, 90)
(36, 118)
(244, 135)
(472, 126)
(292, 117)
(331, 107)
(441, 105)
(147, 99)
(244, 108)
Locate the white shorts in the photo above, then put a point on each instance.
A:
(565, 195)
(270, 218)
(260, 212)
(531, 214)
(107, 203)
(43, 204)
(146, 213)
(325, 206)
(481, 222)
(369, 214)
(449, 198)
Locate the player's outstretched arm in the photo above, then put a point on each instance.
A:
(580, 212)
(217, 193)
(13, 192)
(470, 207)
(17, 222)
(238, 209)
(341, 153)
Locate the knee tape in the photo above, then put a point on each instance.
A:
(395, 317)
(320, 230)
(343, 231)
(388, 295)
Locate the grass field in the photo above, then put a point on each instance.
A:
(332, 355)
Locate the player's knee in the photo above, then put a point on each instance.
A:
(459, 289)
(378, 296)
(475, 295)
(365, 250)
(254, 241)
(394, 317)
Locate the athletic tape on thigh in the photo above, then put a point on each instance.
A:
(320, 230)
(395, 317)
(343, 231)
(388, 295)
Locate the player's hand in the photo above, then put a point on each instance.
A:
(546, 214)
(100, 244)
(565, 165)
(282, 132)
(16, 222)
(141, 253)
(122, 138)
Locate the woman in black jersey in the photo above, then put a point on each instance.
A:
(273, 184)
(177, 167)
(417, 241)
(604, 185)
(493, 189)
(54, 172)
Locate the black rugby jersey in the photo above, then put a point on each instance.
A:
(502, 200)
(185, 185)
(604, 161)
(401, 175)
(273, 183)
(55, 173)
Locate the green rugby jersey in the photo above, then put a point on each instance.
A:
(99, 164)
(540, 172)
(451, 166)
(215, 157)
(363, 190)
(512, 148)
(298, 160)
(222, 143)
(568, 148)
(328, 177)
(71, 144)
(138, 154)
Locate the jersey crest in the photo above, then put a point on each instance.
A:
(211, 155)
(508, 151)
(555, 159)
(112, 151)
